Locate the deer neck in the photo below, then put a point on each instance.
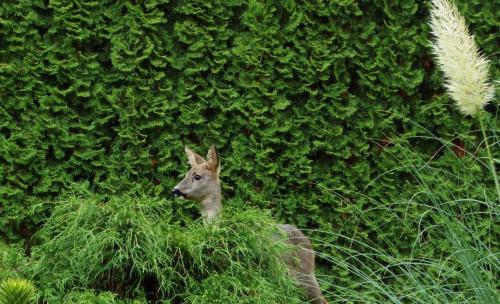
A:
(211, 205)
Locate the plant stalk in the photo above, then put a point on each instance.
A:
(490, 156)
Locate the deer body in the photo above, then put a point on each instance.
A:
(202, 184)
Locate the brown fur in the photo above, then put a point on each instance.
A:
(202, 184)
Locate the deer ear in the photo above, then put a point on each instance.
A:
(213, 159)
(193, 158)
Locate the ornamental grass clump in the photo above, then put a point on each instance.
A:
(467, 82)
(131, 247)
(17, 291)
(453, 255)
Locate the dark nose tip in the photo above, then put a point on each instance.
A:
(177, 192)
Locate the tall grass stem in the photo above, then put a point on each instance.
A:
(490, 155)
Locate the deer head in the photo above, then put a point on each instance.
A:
(201, 183)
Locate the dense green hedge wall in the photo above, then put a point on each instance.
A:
(299, 96)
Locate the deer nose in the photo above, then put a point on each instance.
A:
(177, 192)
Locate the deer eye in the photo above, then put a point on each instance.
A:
(197, 177)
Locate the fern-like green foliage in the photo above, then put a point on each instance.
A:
(17, 291)
(133, 247)
(93, 297)
(12, 261)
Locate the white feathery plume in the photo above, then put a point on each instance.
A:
(465, 69)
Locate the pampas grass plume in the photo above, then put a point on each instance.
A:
(465, 69)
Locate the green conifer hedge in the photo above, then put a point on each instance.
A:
(299, 97)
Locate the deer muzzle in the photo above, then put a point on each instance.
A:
(176, 192)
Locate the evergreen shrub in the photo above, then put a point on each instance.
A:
(12, 261)
(90, 297)
(132, 248)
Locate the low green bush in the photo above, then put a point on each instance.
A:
(12, 261)
(132, 247)
(92, 297)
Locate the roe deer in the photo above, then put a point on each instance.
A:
(202, 184)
